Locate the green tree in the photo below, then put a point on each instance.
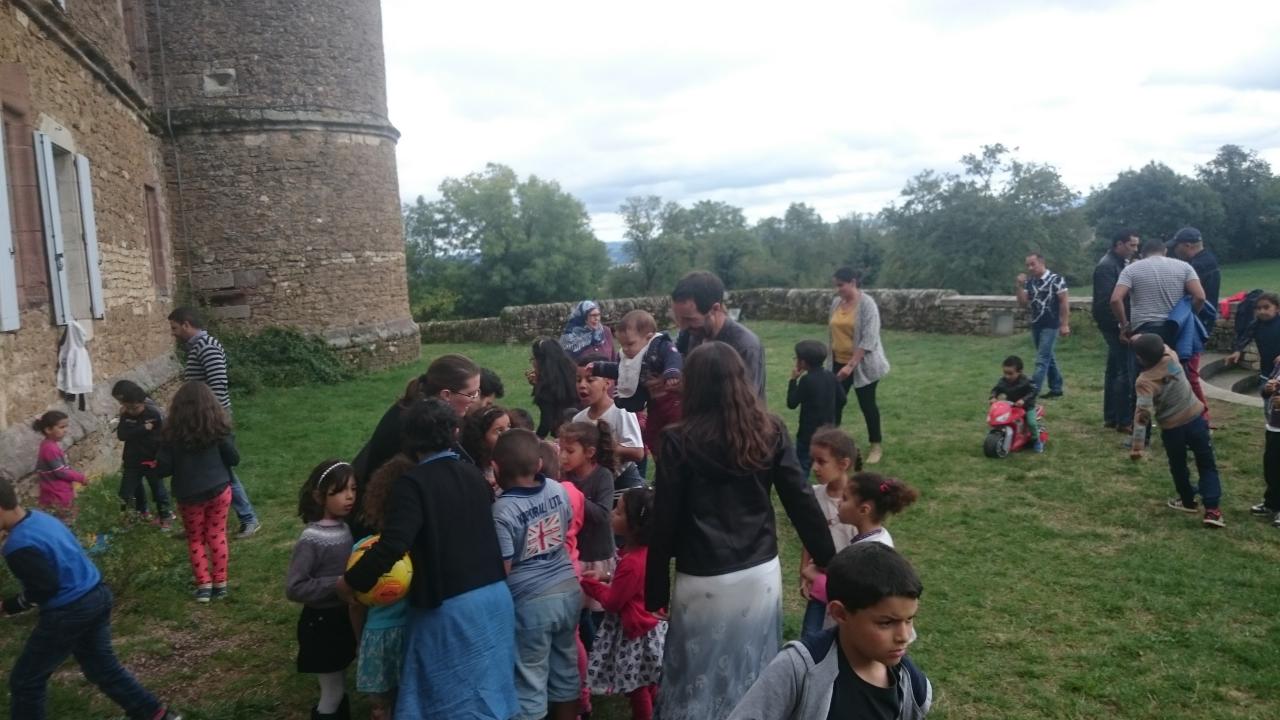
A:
(658, 247)
(1154, 202)
(503, 241)
(1250, 204)
(970, 232)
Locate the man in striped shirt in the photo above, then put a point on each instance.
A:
(1044, 294)
(207, 363)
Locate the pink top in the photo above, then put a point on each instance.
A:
(577, 503)
(625, 595)
(56, 476)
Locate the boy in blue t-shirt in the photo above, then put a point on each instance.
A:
(532, 518)
(75, 614)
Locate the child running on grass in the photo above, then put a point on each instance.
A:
(859, 669)
(57, 478)
(1164, 394)
(627, 658)
(199, 452)
(75, 614)
(326, 640)
(835, 457)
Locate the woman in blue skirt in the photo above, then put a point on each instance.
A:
(460, 638)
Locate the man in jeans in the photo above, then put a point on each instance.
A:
(1117, 387)
(75, 614)
(207, 363)
(1044, 294)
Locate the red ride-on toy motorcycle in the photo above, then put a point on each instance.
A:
(1009, 431)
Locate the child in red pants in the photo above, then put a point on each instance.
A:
(199, 453)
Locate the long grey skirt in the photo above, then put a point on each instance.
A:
(722, 633)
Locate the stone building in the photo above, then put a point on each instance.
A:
(233, 152)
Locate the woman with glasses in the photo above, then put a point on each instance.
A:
(585, 334)
(455, 379)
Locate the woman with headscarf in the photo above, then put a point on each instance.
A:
(585, 334)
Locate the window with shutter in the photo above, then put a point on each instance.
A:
(66, 199)
(155, 234)
(9, 317)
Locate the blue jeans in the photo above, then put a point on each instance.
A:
(1044, 340)
(240, 502)
(1194, 435)
(815, 614)
(547, 652)
(1117, 388)
(83, 629)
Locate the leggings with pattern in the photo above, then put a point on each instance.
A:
(206, 525)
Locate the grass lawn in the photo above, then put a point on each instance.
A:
(1057, 586)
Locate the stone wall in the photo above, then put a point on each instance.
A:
(935, 311)
(286, 161)
(57, 75)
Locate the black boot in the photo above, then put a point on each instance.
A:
(342, 713)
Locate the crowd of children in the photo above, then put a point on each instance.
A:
(573, 519)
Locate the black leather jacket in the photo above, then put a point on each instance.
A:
(715, 520)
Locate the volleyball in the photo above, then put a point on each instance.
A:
(392, 586)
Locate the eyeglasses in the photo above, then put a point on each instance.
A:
(472, 396)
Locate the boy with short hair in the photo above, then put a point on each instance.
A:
(818, 394)
(1018, 389)
(598, 404)
(139, 425)
(532, 519)
(75, 614)
(1165, 393)
(491, 388)
(859, 668)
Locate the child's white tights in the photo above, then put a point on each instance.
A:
(332, 687)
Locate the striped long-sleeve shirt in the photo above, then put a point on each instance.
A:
(207, 362)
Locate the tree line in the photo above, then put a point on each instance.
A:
(493, 239)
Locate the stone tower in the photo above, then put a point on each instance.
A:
(281, 167)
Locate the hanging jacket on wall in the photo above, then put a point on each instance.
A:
(75, 368)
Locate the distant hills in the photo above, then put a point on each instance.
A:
(618, 254)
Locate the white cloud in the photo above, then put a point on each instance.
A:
(834, 104)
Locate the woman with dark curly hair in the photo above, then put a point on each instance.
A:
(554, 378)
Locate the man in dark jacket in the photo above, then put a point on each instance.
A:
(1188, 246)
(1117, 384)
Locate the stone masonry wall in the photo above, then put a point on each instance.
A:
(934, 311)
(69, 100)
(286, 164)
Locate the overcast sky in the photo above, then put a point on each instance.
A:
(833, 104)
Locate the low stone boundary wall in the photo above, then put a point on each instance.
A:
(920, 310)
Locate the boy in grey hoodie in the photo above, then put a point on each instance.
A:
(858, 669)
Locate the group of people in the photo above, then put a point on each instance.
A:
(541, 560)
(1155, 314)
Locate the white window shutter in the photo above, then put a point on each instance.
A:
(85, 185)
(52, 214)
(9, 316)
